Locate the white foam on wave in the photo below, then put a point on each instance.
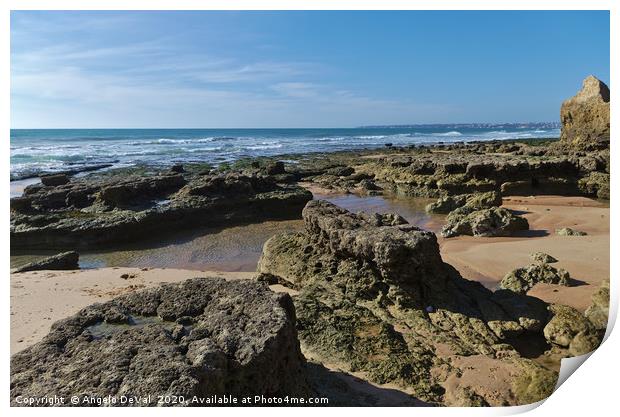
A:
(267, 146)
(451, 133)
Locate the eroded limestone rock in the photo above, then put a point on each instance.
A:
(91, 213)
(598, 312)
(585, 117)
(445, 205)
(199, 338)
(521, 280)
(375, 297)
(570, 329)
(495, 221)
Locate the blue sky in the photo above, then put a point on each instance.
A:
(299, 69)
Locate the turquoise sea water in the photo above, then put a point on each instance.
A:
(45, 150)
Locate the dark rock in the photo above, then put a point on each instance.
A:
(62, 261)
(202, 337)
(21, 204)
(340, 171)
(275, 168)
(54, 180)
(125, 192)
(177, 169)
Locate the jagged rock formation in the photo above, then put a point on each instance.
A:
(89, 213)
(494, 221)
(376, 297)
(585, 117)
(542, 258)
(521, 280)
(62, 261)
(199, 338)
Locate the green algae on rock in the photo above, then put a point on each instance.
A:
(521, 280)
(375, 296)
(490, 222)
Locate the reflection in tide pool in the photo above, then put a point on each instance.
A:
(236, 248)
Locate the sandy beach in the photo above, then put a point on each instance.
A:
(586, 258)
(40, 298)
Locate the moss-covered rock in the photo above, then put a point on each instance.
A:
(375, 297)
(521, 280)
(495, 221)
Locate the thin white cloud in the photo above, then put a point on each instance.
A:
(154, 83)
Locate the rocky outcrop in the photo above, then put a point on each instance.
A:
(585, 117)
(570, 329)
(542, 258)
(62, 261)
(495, 221)
(595, 184)
(567, 231)
(54, 179)
(375, 297)
(445, 205)
(598, 312)
(192, 340)
(521, 280)
(89, 213)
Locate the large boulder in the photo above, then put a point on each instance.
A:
(495, 221)
(598, 311)
(193, 340)
(521, 280)
(568, 328)
(595, 184)
(375, 297)
(62, 261)
(585, 117)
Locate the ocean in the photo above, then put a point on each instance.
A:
(34, 151)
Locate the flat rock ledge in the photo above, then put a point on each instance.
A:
(196, 339)
(91, 213)
(62, 262)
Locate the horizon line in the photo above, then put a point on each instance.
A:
(404, 125)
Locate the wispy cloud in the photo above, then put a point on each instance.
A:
(71, 80)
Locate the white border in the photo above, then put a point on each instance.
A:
(591, 391)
